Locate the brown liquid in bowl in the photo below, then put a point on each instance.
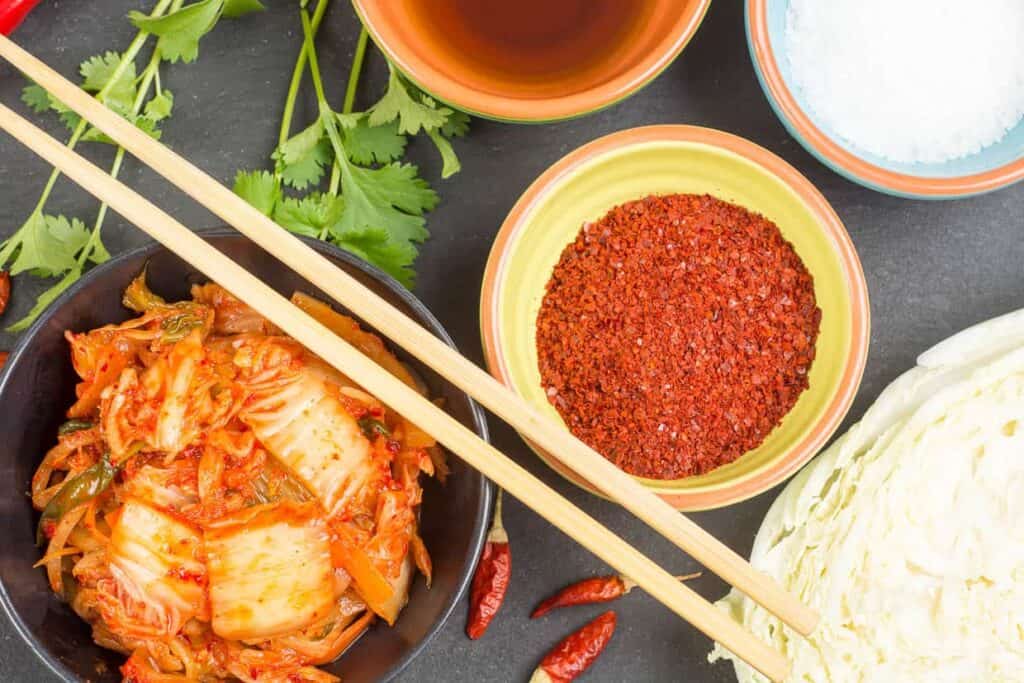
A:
(535, 48)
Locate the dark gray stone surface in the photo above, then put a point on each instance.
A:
(932, 268)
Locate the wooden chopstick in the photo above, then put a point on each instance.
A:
(420, 343)
(456, 437)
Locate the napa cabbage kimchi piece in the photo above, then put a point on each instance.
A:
(223, 504)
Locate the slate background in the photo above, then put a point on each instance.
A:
(932, 269)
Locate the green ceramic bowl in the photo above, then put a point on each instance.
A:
(672, 159)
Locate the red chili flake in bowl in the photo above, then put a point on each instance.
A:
(675, 334)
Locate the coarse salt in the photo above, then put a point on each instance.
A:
(910, 80)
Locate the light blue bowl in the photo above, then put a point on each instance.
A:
(994, 167)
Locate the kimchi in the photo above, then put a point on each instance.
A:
(222, 503)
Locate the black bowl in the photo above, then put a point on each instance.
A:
(37, 386)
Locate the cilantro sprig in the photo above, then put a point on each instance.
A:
(373, 204)
(55, 246)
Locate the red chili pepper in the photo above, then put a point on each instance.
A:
(13, 12)
(3, 359)
(588, 591)
(577, 652)
(491, 578)
(5, 290)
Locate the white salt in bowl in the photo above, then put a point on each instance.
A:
(995, 166)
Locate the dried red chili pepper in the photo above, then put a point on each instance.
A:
(577, 652)
(676, 332)
(491, 578)
(3, 359)
(589, 591)
(5, 290)
(13, 12)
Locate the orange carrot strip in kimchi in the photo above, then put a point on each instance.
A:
(372, 586)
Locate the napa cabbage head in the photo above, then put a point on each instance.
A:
(906, 535)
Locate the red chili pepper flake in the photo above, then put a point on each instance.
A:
(577, 652)
(5, 290)
(675, 334)
(49, 528)
(491, 578)
(188, 575)
(589, 591)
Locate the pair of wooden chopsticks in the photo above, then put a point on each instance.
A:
(403, 331)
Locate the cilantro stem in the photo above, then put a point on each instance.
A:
(326, 114)
(101, 214)
(357, 68)
(314, 62)
(297, 73)
(350, 99)
(335, 178)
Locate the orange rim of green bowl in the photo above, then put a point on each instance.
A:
(832, 154)
(853, 367)
(510, 110)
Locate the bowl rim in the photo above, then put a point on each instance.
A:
(21, 348)
(853, 366)
(839, 159)
(542, 110)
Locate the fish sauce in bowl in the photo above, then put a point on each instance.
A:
(536, 46)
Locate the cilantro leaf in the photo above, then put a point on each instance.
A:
(259, 188)
(457, 124)
(415, 111)
(32, 96)
(374, 246)
(412, 115)
(160, 107)
(302, 157)
(302, 144)
(237, 8)
(309, 170)
(398, 185)
(100, 69)
(147, 126)
(382, 215)
(99, 72)
(362, 213)
(72, 234)
(69, 117)
(47, 298)
(36, 98)
(46, 245)
(313, 215)
(180, 31)
(350, 120)
(367, 144)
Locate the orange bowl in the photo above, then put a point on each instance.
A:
(406, 31)
(629, 165)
